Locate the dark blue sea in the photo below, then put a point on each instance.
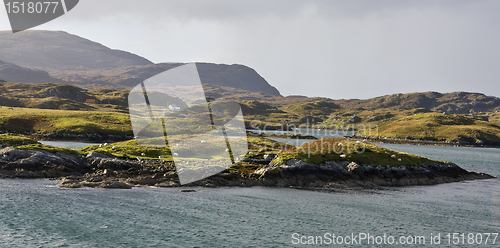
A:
(36, 213)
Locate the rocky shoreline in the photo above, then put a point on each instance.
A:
(100, 171)
(386, 140)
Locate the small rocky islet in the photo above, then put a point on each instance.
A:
(374, 167)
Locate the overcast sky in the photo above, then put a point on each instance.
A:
(337, 49)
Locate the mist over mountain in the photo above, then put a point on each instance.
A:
(56, 56)
(58, 51)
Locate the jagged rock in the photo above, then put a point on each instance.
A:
(114, 185)
(351, 166)
(168, 184)
(101, 171)
(39, 163)
(298, 173)
(108, 172)
(105, 162)
(354, 119)
(269, 157)
(70, 183)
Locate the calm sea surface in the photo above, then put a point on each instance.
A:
(68, 144)
(36, 213)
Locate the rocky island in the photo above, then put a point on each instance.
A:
(310, 166)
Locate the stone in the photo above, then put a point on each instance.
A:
(114, 185)
(269, 157)
(351, 166)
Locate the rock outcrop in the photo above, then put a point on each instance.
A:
(13, 73)
(101, 171)
(298, 173)
(40, 164)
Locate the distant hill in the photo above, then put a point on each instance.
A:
(236, 76)
(232, 76)
(452, 103)
(56, 51)
(44, 96)
(84, 63)
(439, 127)
(13, 73)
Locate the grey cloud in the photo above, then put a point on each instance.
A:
(338, 49)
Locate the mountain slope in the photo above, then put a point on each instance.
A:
(232, 76)
(88, 64)
(13, 73)
(236, 76)
(56, 51)
(440, 127)
(455, 102)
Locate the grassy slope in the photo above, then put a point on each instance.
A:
(310, 152)
(110, 116)
(320, 151)
(393, 124)
(434, 126)
(130, 149)
(64, 121)
(23, 142)
(60, 96)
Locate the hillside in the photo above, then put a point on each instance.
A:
(56, 51)
(226, 77)
(441, 127)
(60, 96)
(410, 124)
(64, 121)
(454, 103)
(84, 63)
(14, 73)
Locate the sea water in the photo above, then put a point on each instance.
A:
(36, 213)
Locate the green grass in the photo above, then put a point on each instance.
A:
(61, 96)
(441, 127)
(24, 142)
(244, 167)
(317, 108)
(320, 151)
(316, 152)
(64, 121)
(130, 149)
(15, 140)
(52, 149)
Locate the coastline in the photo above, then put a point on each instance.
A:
(100, 171)
(87, 137)
(381, 140)
(385, 140)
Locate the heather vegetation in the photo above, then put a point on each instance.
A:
(441, 127)
(63, 121)
(341, 149)
(67, 109)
